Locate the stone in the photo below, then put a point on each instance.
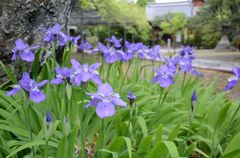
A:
(27, 19)
(224, 45)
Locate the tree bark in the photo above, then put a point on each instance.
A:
(27, 19)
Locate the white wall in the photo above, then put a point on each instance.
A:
(159, 9)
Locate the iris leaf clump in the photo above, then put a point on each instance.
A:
(71, 108)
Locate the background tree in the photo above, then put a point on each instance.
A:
(128, 16)
(142, 3)
(171, 23)
(27, 20)
(208, 21)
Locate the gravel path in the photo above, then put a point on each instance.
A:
(215, 65)
(222, 79)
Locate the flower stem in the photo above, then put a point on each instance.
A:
(183, 82)
(102, 67)
(54, 54)
(80, 124)
(102, 134)
(120, 69)
(191, 117)
(29, 128)
(165, 95)
(46, 149)
(159, 99)
(124, 77)
(100, 141)
(160, 104)
(26, 112)
(153, 65)
(130, 121)
(137, 67)
(108, 72)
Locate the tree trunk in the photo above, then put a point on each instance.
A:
(27, 19)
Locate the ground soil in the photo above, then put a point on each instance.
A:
(210, 75)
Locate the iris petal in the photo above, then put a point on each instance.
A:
(37, 96)
(236, 71)
(21, 45)
(95, 66)
(105, 89)
(119, 102)
(96, 78)
(76, 65)
(27, 56)
(15, 90)
(230, 85)
(42, 83)
(105, 109)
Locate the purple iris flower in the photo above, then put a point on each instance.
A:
(131, 97)
(232, 82)
(156, 53)
(143, 52)
(62, 39)
(84, 73)
(15, 90)
(116, 42)
(85, 46)
(61, 75)
(187, 52)
(164, 76)
(55, 33)
(30, 86)
(75, 40)
(137, 46)
(110, 54)
(185, 64)
(101, 47)
(105, 101)
(24, 50)
(48, 117)
(130, 46)
(134, 47)
(94, 51)
(129, 53)
(171, 63)
(151, 55)
(194, 97)
(197, 73)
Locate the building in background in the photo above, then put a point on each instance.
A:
(197, 4)
(163, 7)
(160, 8)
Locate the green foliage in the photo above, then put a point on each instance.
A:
(206, 35)
(142, 3)
(232, 149)
(206, 29)
(171, 23)
(146, 129)
(129, 16)
(207, 23)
